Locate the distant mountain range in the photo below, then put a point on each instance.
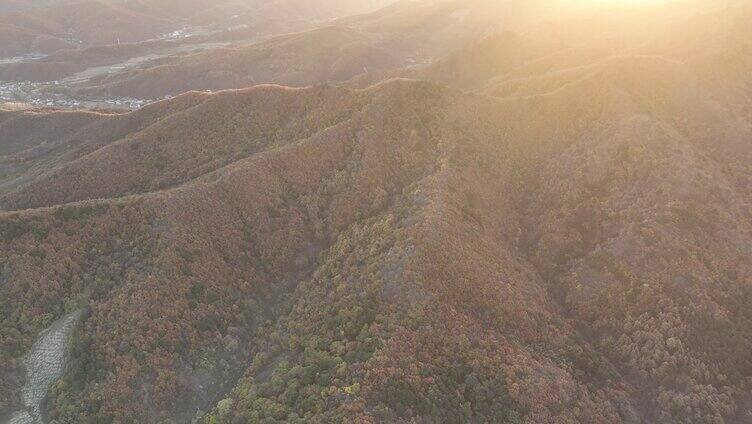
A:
(46, 26)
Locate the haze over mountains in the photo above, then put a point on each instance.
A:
(44, 26)
(407, 33)
(518, 212)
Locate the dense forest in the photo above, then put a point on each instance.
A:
(540, 227)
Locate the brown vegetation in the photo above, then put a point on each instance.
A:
(327, 54)
(575, 249)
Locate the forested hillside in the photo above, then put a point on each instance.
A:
(542, 227)
(327, 54)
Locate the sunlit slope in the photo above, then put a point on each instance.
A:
(685, 31)
(571, 244)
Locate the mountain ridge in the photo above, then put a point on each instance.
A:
(555, 234)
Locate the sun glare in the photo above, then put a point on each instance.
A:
(617, 3)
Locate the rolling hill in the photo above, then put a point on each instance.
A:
(543, 227)
(405, 34)
(49, 26)
(328, 54)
